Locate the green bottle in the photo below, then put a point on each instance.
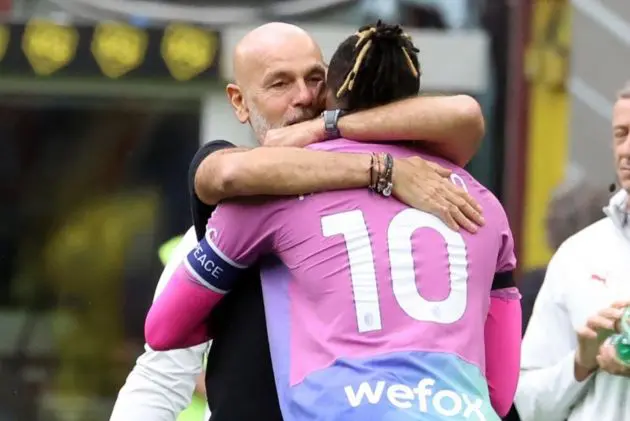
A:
(622, 346)
(621, 342)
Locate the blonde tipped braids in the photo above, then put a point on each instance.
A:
(364, 42)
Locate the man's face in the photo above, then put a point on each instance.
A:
(621, 141)
(285, 86)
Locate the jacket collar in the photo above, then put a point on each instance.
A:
(617, 210)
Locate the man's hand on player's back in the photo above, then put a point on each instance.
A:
(425, 185)
(420, 184)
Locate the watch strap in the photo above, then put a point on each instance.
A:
(331, 120)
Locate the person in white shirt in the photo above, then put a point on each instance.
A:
(163, 381)
(568, 370)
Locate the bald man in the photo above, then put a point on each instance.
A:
(279, 83)
(264, 49)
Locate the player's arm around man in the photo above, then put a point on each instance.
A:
(454, 124)
(163, 381)
(448, 126)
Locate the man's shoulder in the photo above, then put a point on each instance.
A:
(200, 211)
(598, 233)
(599, 230)
(216, 145)
(219, 143)
(589, 250)
(203, 151)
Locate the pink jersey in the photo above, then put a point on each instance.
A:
(374, 310)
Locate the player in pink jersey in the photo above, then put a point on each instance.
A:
(374, 310)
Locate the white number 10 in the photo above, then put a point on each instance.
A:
(363, 273)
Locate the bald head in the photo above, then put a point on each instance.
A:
(263, 43)
(280, 77)
(271, 31)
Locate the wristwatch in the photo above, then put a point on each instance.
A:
(331, 118)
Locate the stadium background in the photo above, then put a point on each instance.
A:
(103, 103)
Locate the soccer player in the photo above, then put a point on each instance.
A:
(374, 310)
(161, 383)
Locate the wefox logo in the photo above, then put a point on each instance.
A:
(445, 402)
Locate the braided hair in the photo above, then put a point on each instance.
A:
(375, 66)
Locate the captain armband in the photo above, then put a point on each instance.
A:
(212, 268)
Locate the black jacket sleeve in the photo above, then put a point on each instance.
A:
(199, 210)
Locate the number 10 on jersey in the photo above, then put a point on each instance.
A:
(352, 226)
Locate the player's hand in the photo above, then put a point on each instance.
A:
(425, 185)
(297, 135)
(592, 336)
(608, 361)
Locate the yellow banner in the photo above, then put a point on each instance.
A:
(5, 37)
(49, 46)
(118, 48)
(109, 49)
(188, 50)
(547, 62)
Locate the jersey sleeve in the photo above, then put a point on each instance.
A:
(502, 338)
(502, 334)
(236, 235)
(506, 261)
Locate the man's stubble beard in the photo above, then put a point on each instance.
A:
(260, 125)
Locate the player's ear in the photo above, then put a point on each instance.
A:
(235, 96)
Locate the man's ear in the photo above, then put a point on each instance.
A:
(235, 96)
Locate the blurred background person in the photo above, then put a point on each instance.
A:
(568, 372)
(574, 205)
